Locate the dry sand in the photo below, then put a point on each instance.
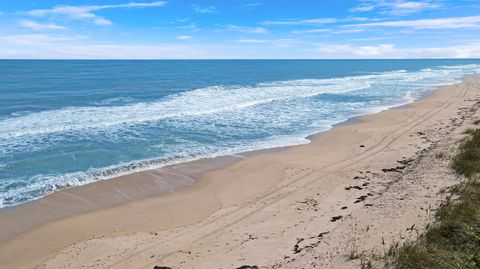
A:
(359, 187)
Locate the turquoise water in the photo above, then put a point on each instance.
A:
(67, 123)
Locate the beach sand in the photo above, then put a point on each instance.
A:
(361, 186)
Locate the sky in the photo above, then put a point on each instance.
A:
(239, 29)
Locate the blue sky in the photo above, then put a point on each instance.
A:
(239, 29)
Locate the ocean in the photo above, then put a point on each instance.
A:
(67, 123)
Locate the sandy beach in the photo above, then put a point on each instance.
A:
(359, 187)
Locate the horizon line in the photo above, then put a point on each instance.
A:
(223, 59)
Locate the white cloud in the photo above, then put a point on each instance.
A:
(192, 26)
(398, 7)
(251, 30)
(313, 31)
(329, 31)
(254, 41)
(361, 51)
(389, 51)
(440, 23)
(86, 12)
(250, 5)
(348, 31)
(285, 42)
(372, 38)
(38, 39)
(204, 10)
(410, 7)
(40, 46)
(40, 26)
(279, 43)
(362, 8)
(302, 22)
(318, 21)
(471, 50)
(184, 37)
(180, 20)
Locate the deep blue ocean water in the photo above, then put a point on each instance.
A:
(67, 123)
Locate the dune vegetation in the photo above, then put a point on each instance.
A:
(453, 241)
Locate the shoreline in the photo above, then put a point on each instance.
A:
(115, 172)
(119, 192)
(198, 179)
(214, 160)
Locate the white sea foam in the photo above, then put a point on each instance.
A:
(198, 102)
(24, 131)
(44, 184)
(115, 100)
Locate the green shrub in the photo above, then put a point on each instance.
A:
(454, 240)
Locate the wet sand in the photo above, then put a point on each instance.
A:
(105, 194)
(357, 186)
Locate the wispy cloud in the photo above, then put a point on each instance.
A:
(471, 50)
(398, 7)
(362, 8)
(184, 37)
(254, 41)
(439, 23)
(85, 13)
(328, 30)
(192, 26)
(250, 5)
(362, 51)
(38, 39)
(1, 13)
(205, 10)
(313, 31)
(468, 50)
(40, 46)
(279, 43)
(348, 31)
(372, 38)
(33, 25)
(180, 20)
(251, 30)
(302, 22)
(316, 21)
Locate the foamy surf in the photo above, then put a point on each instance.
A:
(42, 151)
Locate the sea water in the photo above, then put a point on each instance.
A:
(68, 123)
